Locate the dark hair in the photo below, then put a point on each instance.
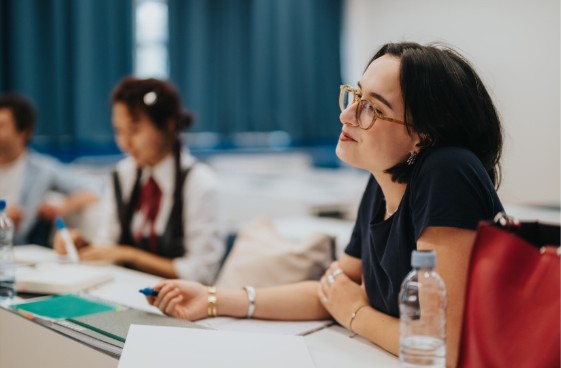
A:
(22, 109)
(160, 101)
(157, 99)
(446, 104)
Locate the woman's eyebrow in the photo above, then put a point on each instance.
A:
(378, 97)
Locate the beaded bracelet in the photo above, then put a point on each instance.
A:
(212, 302)
(353, 316)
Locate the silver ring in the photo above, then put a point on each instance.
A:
(330, 279)
(337, 272)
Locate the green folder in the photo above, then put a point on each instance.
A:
(64, 306)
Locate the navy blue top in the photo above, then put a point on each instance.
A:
(448, 187)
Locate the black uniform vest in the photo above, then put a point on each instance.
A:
(170, 243)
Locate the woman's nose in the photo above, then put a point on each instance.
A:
(348, 116)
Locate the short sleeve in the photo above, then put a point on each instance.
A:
(451, 188)
(365, 212)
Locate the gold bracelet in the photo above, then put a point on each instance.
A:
(353, 316)
(212, 302)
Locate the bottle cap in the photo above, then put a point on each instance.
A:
(423, 259)
(2, 204)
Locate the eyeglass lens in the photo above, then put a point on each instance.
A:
(348, 98)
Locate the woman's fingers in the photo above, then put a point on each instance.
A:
(164, 296)
(170, 308)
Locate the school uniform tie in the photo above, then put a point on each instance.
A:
(148, 206)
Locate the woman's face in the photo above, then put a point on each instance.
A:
(140, 138)
(385, 144)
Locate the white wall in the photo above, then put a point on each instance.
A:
(514, 45)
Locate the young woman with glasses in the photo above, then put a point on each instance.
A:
(162, 207)
(422, 123)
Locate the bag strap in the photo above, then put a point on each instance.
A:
(536, 233)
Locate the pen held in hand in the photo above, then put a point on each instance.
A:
(68, 243)
(149, 292)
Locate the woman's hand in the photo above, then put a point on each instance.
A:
(118, 254)
(75, 235)
(49, 211)
(15, 213)
(181, 299)
(340, 295)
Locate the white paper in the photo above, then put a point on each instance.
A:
(154, 346)
(337, 347)
(265, 326)
(124, 289)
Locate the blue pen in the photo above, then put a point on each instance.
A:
(148, 292)
(68, 243)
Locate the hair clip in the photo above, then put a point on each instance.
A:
(150, 98)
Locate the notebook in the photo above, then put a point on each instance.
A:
(63, 306)
(116, 323)
(60, 279)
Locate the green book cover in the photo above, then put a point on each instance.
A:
(64, 306)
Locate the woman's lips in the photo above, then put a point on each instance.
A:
(344, 137)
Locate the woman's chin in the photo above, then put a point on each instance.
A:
(342, 154)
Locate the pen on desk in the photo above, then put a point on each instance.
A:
(68, 243)
(149, 292)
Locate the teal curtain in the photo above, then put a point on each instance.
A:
(66, 56)
(259, 65)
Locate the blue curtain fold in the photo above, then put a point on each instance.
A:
(66, 56)
(259, 65)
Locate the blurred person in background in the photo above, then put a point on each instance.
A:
(162, 213)
(27, 177)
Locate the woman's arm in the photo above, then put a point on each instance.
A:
(299, 301)
(137, 258)
(189, 300)
(453, 248)
(72, 203)
(346, 296)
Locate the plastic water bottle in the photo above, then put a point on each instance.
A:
(7, 259)
(422, 308)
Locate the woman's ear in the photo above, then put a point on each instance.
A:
(171, 127)
(416, 142)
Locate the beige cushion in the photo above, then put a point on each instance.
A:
(262, 257)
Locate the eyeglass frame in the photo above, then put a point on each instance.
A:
(357, 99)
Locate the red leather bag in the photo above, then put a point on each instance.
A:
(512, 310)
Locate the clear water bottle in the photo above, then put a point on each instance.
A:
(422, 308)
(7, 259)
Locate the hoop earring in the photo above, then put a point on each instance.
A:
(412, 158)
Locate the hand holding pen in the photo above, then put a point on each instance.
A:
(67, 241)
(148, 292)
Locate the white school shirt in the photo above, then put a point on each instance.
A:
(204, 237)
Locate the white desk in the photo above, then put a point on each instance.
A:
(24, 343)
